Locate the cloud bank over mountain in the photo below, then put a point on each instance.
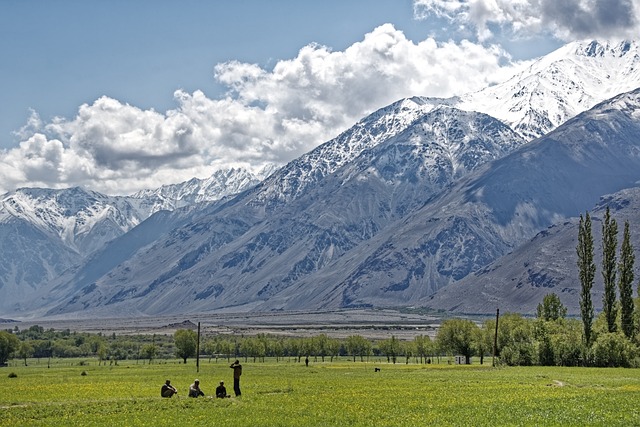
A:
(266, 116)
(567, 19)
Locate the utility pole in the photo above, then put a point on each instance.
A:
(198, 350)
(495, 338)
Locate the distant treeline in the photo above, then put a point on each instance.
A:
(549, 339)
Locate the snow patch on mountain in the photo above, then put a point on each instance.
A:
(294, 179)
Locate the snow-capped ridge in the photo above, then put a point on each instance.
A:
(69, 214)
(560, 85)
(46, 232)
(595, 48)
(220, 184)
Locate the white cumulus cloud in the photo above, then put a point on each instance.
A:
(266, 116)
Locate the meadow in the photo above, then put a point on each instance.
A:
(339, 393)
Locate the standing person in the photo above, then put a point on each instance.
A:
(306, 361)
(194, 389)
(237, 371)
(167, 390)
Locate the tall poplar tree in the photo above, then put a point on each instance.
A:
(609, 267)
(625, 283)
(587, 269)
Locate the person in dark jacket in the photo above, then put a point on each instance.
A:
(237, 371)
(221, 391)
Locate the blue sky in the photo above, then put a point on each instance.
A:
(59, 55)
(152, 92)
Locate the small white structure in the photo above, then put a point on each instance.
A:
(461, 360)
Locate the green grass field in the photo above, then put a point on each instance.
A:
(341, 393)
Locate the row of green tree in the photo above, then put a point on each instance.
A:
(36, 342)
(549, 339)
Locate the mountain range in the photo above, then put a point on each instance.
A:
(443, 203)
(44, 232)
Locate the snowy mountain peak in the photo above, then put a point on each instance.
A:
(560, 85)
(71, 214)
(596, 49)
(547, 93)
(221, 183)
(84, 220)
(295, 178)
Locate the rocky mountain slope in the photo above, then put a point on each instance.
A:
(238, 257)
(45, 232)
(343, 244)
(547, 263)
(488, 214)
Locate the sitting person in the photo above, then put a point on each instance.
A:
(167, 389)
(194, 389)
(221, 391)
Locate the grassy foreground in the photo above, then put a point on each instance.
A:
(341, 393)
